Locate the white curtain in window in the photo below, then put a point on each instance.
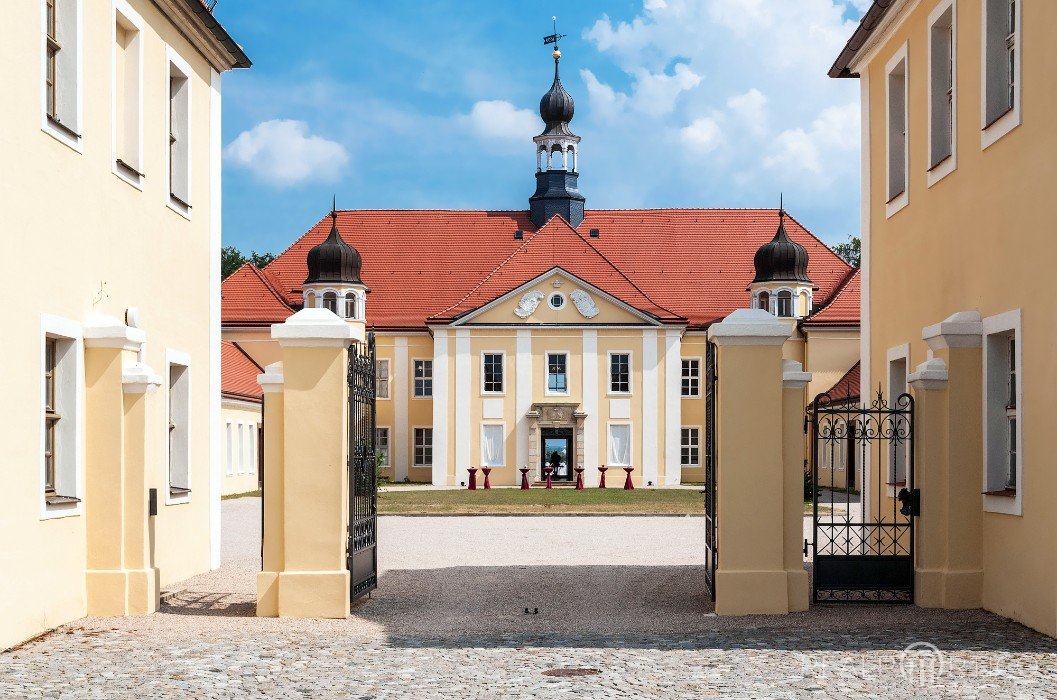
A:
(491, 445)
(620, 445)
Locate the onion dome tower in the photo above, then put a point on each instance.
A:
(557, 152)
(781, 284)
(333, 280)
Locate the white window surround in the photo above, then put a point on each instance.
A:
(609, 373)
(230, 465)
(556, 301)
(991, 133)
(493, 460)
(184, 442)
(896, 385)
(131, 119)
(251, 448)
(683, 444)
(432, 379)
(414, 445)
(182, 69)
(69, 368)
(896, 201)
(946, 166)
(547, 374)
(71, 60)
(611, 446)
(502, 370)
(241, 464)
(378, 430)
(994, 384)
(386, 376)
(700, 375)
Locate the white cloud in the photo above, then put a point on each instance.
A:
(703, 135)
(499, 119)
(750, 108)
(282, 153)
(811, 150)
(652, 94)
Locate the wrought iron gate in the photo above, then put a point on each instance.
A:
(711, 502)
(864, 500)
(361, 552)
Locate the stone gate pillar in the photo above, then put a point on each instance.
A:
(759, 455)
(306, 477)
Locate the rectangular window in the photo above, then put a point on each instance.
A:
(127, 93)
(251, 448)
(691, 379)
(381, 446)
(242, 449)
(492, 373)
(59, 445)
(897, 447)
(423, 447)
(1003, 401)
(1001, 47)
(179, 134)
(557, 373)
(179, 417)
(229, 441)
(492, 448)
(423, 378)
(381, 379)
(690, 447)
(61, 66)
(620, 445)
(620, 373)
(941, 86)
(897, 126)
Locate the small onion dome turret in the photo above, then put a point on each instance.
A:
(556, 107)
(782, 259)
(334, 260)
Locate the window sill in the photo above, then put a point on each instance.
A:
(56, 500)
(1002, 493)
(179, 494)
(56, 124)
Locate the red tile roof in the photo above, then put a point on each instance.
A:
(848, 386)
(238, 374)
(690, 263)
(843, 308)
(253, 297)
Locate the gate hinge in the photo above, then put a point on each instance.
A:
(909, 502)
(805, 546)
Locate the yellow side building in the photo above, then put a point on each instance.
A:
(110, 131)
(958, 150)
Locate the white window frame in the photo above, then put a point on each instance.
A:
(388, 444)
(995, 373)
(69, 134)
(895, 202)
(432, 379)
(776, 297)
(174, 60)
(941, 169)
(502, 429)
(900, 353)
(183, 359)
(682, 375)
(414, 445)
(251, 448)
(388, 378)
(990, 133)
(684, 445)
(485, 353)
(70, 429)
(229, 435)
(609, 443)
(547, 373)
(240, 466)
(132, 170)
(609, 373)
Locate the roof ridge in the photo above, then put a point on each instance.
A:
(840, 289)
(268, 283)
(245, 354)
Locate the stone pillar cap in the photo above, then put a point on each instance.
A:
(794, 376)
(272, 379)
(930, 375)
(139, 378)
(961, 330)
(750, 327)
(102, 331)
(313, 327)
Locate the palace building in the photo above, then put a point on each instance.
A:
(558, 334)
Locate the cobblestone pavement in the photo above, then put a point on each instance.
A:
(460, 631)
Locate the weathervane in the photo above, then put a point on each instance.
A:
(554, 38)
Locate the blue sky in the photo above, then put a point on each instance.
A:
(697, 103)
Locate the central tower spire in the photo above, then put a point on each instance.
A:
(557, 153)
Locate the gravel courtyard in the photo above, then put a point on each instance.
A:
(620, 600)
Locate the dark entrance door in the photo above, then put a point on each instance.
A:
(362, 552)
(863, 542)
(556, 449)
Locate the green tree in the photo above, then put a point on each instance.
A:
(851, 251)
(231, 259)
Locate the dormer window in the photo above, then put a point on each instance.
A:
(350, 305)
(764, 301)
(330, 302)
(310, 300)
(784, 305)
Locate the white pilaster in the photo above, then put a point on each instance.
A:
(440, 407)
(462, 403)
(673, 405)
(523, 395)
(590, 406)
(650, 402)
(215, 226)
(400, 438)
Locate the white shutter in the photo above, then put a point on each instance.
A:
(66, 64)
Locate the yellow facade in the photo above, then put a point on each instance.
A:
(240, 446)
(85, 238)
(969, 235)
